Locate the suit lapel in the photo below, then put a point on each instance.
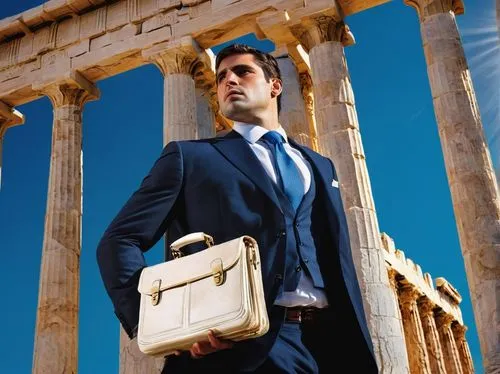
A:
(236, 149)
(317, 163)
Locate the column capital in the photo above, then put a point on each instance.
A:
(426, 307)
(318, 30)
(179, 56)
(444, 320)
(426, 8)
(9, 117)
(392, 273)
(408, 294)
(306, 85)
(459, 331)
(75, 89)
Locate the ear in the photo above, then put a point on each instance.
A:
(276, 87)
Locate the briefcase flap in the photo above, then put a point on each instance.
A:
(178, 272)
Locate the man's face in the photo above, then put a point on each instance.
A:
(242, 90)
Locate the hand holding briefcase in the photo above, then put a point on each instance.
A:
(219, 289)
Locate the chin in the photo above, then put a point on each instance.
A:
(237, 114)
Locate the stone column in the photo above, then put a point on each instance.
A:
(393, 281)
(293, 114)
(133, 361)
(308, 95)
(9, 117)
(463, 347)
(469, 168)
(434, 350)
(206, 96)
(450, 351)
(339, 138)
(177, 61)
(56, 332)
(414, 334)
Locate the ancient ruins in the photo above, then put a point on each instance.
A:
(61, 48)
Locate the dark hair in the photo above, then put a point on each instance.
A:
(267, 63)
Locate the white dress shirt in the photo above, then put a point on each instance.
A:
(305, 294)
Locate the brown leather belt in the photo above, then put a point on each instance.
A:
(305, 314)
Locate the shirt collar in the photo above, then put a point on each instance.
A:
(252, 133)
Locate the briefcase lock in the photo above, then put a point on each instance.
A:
(217, 271)
(155, 292)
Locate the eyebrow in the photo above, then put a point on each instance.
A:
(235, 67)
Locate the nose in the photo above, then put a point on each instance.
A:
(231, 78)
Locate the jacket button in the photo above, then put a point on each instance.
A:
(278, 277)
(280, 234)
(306, 260)
(298, 268)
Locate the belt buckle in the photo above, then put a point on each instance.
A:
(294, 315)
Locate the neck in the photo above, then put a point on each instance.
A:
(268, 120)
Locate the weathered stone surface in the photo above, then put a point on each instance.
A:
(343, 145)
(56, 333)
(68, 44)
(473, 184)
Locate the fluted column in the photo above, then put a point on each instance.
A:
(293, 114)
(56, 332)
(308, 95)
(339, 138)
(463, 348)
(450, 351)
(393, 281)
(177, 61)
(471, 176)
(9, 117)
(414, 334)
(432, 340)
(206, 96)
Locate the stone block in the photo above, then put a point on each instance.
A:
(68, 32)
(93, 23)
(160, 20)
(111, 37)
(117, 15)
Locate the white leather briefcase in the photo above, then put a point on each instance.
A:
(219, 289)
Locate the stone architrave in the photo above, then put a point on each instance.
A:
(432, 340)
(471, 177)
(339, 138)
(293, 114)
(414, 334)
(450, 351)
(9, 117)
(56, 332)
(463, 347)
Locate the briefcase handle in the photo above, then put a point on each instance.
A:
(194, 237)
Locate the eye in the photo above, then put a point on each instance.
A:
(220, 77)
(243, 71)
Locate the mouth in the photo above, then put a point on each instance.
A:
(232, 93)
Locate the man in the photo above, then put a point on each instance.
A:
(253, 181)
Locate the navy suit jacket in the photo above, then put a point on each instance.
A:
(219, 187)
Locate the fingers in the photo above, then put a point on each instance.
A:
(213, 344)
(218, 343)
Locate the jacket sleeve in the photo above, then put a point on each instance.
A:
(137, 227)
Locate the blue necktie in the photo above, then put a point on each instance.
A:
(291, 183)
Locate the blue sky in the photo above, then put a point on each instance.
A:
(122, 137)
